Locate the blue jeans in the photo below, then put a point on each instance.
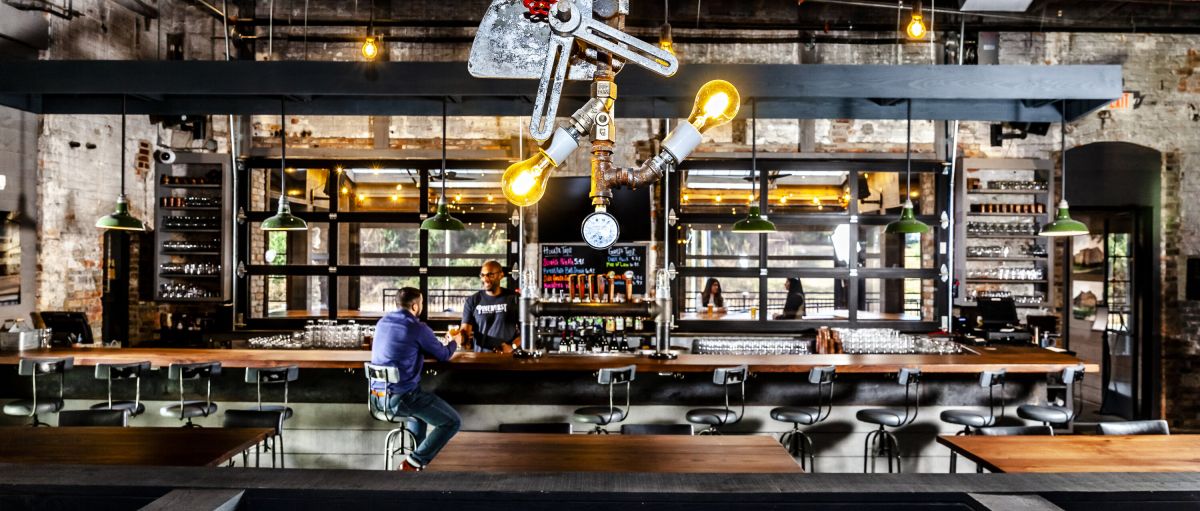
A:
(431, 411)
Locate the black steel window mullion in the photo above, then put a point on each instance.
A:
(423, 258)
(334, 241)
(852, 263)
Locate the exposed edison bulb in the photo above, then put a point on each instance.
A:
(686, 197)
(916, 27)
(370, 48)
(783, 200)
(718, 198)
(717, 102)
(345, 190)
(665, 41)
(395, 198)
(524, 182)
(399, 187)
(458, 197)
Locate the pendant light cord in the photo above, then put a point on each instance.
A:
(123, 139)
(753, 145)
(1062, 140)
(282, 151)
(908, 153)
(443, 148)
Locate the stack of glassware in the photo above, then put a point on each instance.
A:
(889, 341)
(320, 334)
(752, 346)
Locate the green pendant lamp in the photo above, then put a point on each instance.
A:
(755, 222)
(908, 223)
(1063, 224)
(442, 221)
(283, 220)
(120, 219)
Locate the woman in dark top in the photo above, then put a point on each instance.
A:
(793, 307)
(711, 295)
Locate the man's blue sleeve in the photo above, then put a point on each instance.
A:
(430, 345)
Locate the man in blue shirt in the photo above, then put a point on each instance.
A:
(402, 341)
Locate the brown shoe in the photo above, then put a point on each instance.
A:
(406, 466)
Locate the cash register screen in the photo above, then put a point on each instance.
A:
(997, 312)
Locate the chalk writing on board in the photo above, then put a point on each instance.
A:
(561, 261)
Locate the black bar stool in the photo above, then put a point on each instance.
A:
(604, 415)
(657, 429)
(713, 417)
(1054, 415)
(558, 428)
(270, 419)
(891, 417)
(974, 418)
(34, 367)
(797, 442)
(130, 371)
(91, 418)
(386, 375)
(1149, 427)
(185, 410)
(282, 375)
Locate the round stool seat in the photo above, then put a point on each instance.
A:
(189, 409)
(881, 416)
(133, 407)
(712, 416)
(381, 415)
(285, 410)
(970, 418)
(1044, 413)
(25, 407)
(798, 415)
(598, 415)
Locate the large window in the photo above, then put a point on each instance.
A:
(364, 241)
(829, 260)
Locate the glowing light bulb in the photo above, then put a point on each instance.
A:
(395, 198)
(665, 41)
(717, 102)
(524, 182)
(686, 197)
(370, 48)
(399, 187)
(718, 198)
(361, 196)
(916, 27)
(489, 197)
(345, 190)
(783, 200)
(458, 197)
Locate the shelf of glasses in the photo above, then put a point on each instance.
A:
(1003, 259)
(1038, 305)
(189, 276)
(191, 252)
(190, 208)
(1005, 214)
(202, 185)
(205, 299)
(166, 229)
(1007, 281)
(1007, 192)
(1003, 236)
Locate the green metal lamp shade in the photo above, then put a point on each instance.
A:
(908, 223)
(1063, 224)
(284, 220)
(442, 221)
(120, 219)
(753, 223)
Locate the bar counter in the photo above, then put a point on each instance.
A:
(1017, 360)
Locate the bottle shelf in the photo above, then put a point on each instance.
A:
(189, 276)
(1003, 259)
(207, 299)
(969, 214)
(205, 185)
(1007, 192)
(1003, 236)
(1007, 281)
(193, 252)
(190, 208)
(184, 231)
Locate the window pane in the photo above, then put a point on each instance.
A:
(736, 294)
(716, 192)
(477, 244)
(896, 299)
(888, 189)
(379, 189)
(469, 190)
(370, 296)
(447, 294)
(379, 244)
(881, 250)
(307, 189)
(309, 247)
(715, 246)
(818, 298)
(278, 296)
(805, 246)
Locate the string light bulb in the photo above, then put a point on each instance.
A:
(916, 25)
(370, 47)
(665, 41)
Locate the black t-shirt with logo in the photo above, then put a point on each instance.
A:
(495, 319)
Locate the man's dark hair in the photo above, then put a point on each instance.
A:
(409, 296)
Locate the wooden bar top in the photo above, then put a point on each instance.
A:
(1017, 360)
(1080, 453)
(196, 447)
(518, 453)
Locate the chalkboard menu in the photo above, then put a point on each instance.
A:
(561, 260)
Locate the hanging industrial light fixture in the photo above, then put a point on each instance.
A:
(283, 220)
(908, 223)
(916, 24)
(370, 47)
(1063, 224)
(442, 221)
(665, 40)
(120, 219)
(754, 221)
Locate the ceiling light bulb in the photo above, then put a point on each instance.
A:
(524, 182)
(718, 198)
(717, 102)
(345, 190)
(399, 187)
(665, 41)
(370, 48)
(395, 198)
(686, 197)
(916, 27)
(458, 197)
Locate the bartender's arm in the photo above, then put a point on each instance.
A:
(463, 336)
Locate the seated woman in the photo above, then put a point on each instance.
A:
(793, 306)
(711, 296)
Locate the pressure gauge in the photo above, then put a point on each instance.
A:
(600, 230)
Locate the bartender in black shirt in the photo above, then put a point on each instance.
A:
(491, 318)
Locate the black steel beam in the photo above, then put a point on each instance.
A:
(991, 93)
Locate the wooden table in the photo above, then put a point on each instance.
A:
(527, 452)
(195, 447)
(1080, 453)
